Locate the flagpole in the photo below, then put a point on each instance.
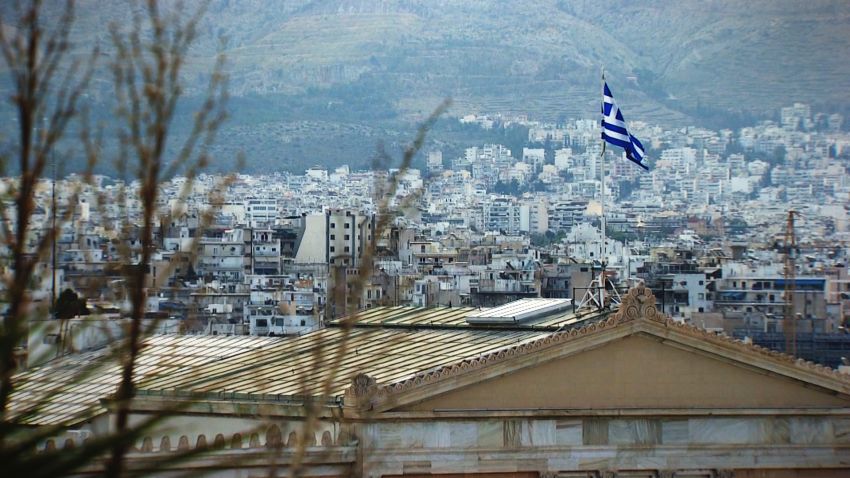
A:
(614, 131)
(602, 217)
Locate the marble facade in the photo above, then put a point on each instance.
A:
(634, 395)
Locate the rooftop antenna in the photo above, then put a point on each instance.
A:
(54, 233)
(789, 325)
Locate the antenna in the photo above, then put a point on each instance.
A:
(54, 233)
(789, 322)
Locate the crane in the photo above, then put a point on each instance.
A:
(789, 324)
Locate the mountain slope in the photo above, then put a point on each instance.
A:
(335, 65)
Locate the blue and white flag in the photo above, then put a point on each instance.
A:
(614, 129)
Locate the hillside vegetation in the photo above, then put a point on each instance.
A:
(352, 71)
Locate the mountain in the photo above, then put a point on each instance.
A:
(347, 72)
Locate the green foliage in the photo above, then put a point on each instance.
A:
(736, 225)
(651, 83)
(547, 239)
(622, 236)
(511, 188)
(70, 305)
(778, 156)
(628, 187)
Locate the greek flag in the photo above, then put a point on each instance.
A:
(614, 129)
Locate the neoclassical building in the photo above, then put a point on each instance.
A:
(531, 391)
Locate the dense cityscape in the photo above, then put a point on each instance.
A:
(705, 229)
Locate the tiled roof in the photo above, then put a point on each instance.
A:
(332, 356)
(69, 390)
(389, 343)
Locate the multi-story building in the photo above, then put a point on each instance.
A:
(223, 256)
(563, 215)
(435, 162)
(536, 157)
(566, 280)
(757, 295)
(504, 214)
(264, 252)
(261, 212)
(334, 237)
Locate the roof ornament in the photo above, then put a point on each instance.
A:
(361, 391)
(638, 303)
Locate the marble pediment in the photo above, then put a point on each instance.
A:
(635, 358)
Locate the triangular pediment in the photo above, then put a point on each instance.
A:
(633, 359)
(638, 371)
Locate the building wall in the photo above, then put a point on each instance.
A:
(313, 245)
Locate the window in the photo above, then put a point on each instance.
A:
(333, 237)
(701, 309)
(262, 323)
(701, 282)
(347, 225)
(347, 237)
(333, 249)
(333, 225)
(347, 249)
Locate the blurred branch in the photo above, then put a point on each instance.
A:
(313, 401)
(147, 80)
(47, 85)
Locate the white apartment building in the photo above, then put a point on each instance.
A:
(536, 157)
(435, 161)
(335, 236)
(223, 258)
(504, 214)
(563, 158)
(261, 211)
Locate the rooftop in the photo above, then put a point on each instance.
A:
(391, 344)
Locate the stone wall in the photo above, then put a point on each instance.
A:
(606, 443)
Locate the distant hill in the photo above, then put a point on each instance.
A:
(340, 66)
